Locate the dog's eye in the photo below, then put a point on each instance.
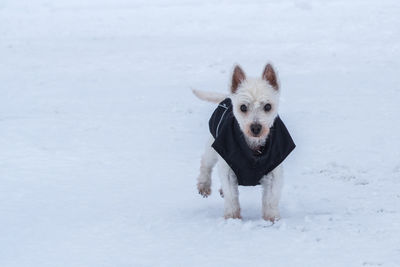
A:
(243, 108)
(267, 107)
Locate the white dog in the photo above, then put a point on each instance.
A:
(253, 108)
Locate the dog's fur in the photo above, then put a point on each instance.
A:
(254, 94)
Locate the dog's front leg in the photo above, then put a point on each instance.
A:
(208, 161)
(230, 189)
(272, 186)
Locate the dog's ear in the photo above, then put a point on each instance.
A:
(270, 76)
(237, 77)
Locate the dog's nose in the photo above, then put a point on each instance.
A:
(255, 128)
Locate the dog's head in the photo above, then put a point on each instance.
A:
(255, 104)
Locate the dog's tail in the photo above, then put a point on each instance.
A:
(209, 96)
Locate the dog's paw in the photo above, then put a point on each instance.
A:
(232, 215)
(204, 189)
(271, 216)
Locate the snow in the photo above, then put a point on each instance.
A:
(101, 137)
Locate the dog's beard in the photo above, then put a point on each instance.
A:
(255, 142)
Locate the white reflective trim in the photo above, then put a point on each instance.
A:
(222, 117)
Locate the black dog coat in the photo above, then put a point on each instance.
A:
(231, 145)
